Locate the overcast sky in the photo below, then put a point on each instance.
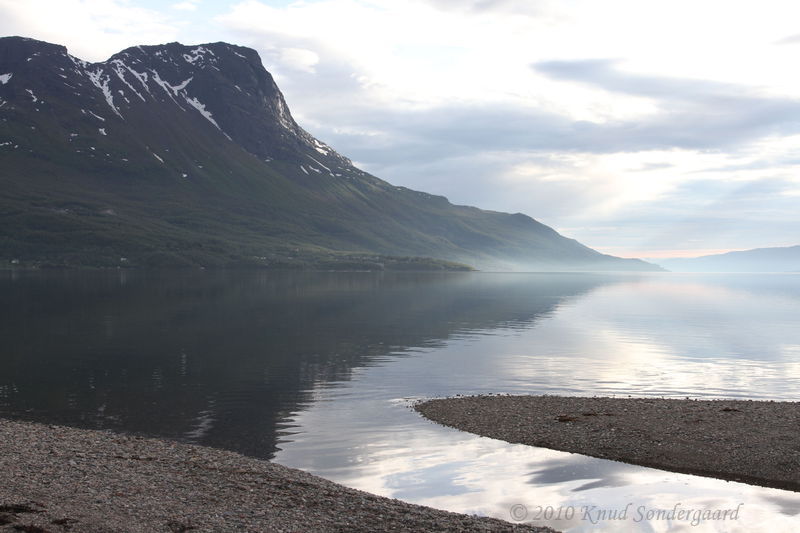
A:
(642, 129)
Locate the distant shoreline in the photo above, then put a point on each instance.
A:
(369, 264)
(56, 479)
(752, 442)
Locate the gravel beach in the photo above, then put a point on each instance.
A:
(755, 442)
(55, 479)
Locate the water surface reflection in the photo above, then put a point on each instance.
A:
(223, 358)
(316, 370)
(670, 336)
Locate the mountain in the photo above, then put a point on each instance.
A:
(188, 155)
(785, 259)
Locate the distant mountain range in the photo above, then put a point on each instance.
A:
(178, 155)
(758, 260)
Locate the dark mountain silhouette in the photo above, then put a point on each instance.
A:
(785, 259)
(178, 155)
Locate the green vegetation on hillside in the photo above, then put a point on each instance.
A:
(133, 175)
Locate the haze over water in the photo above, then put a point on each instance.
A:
(316, 371)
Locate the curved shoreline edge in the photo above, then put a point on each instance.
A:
(55, 479)
(747, 441)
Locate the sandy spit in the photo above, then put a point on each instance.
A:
(56, 479)
(754, 442)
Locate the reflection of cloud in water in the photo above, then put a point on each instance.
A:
(414, 485)
(669, 338)
(320, 360)
(578, 467)
(787, 505)
(384, 448)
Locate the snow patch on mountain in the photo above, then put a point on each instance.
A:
(169, 89)
(100, 80)
(284, 118)
(181, 86)
(141, 76)
(5, 78)
(197, 54)
(78, 62)
(321, 147)
(320, 164)
(194, 102)
(118, 67)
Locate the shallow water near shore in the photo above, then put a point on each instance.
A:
(317, 371)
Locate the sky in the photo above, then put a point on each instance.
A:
(642, 129)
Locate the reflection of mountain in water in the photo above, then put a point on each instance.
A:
(221, 359)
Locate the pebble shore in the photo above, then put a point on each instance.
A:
(57, 479)
(749, 441)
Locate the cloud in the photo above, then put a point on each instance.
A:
(496, 103)
(757, 164)
(376, 115)
(605, 74)
(537, 159)
(692, 114)
(299, 58)
(720, 214)
(187, 5)
(92, 29)
(457, 130)
(520, 7)
(791, 39)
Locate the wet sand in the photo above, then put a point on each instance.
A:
(756, 442)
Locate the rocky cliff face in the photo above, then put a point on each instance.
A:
(146, 88)
(190, 153)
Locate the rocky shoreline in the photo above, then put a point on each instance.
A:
(56, 479)
(738, 440)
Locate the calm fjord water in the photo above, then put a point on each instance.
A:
(315, 370)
